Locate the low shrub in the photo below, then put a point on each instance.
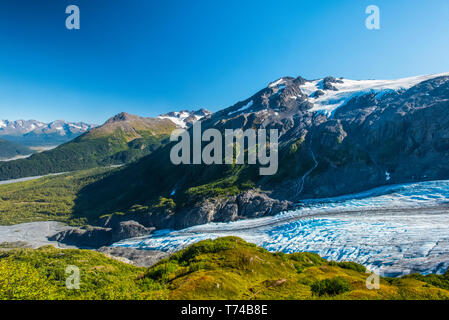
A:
(330, 287)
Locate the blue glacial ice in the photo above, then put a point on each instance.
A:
(392, 230)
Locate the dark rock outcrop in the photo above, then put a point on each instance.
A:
(96, 237)
(249, 204)
(375, 137)
(129, 229)
(317, 94)
(327, 83)
(90, 237)
(137, 257)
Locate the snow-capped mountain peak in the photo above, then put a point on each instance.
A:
(19, 126)
(288, 95)
(328, 94)
(32, 132)
(184, 118)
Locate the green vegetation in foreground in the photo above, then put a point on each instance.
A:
(226, 268)
(49, 198)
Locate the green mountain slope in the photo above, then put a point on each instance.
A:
(9, 150)
(47, 199)
(122, 139)
(143, 187)
(226, 268)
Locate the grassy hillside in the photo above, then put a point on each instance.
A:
(49, 198)
(226, 268)
(122, 139)
(10, 149)
(40, 274)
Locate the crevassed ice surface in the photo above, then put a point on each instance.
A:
(393, 230)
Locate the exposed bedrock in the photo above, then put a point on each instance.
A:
(96, 237)
(250, 204)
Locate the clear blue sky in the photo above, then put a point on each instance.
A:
(148, 57)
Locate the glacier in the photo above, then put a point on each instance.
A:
(330, 101)
(392, 230)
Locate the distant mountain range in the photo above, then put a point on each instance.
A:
(122, 139)
(36, 133)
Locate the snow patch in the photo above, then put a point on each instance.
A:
(332, 100)
(277, 83)
(179, 118)
(244, 107)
